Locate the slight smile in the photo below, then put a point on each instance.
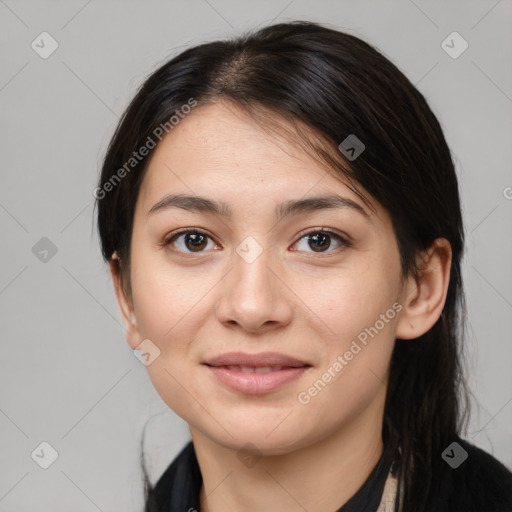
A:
(256, 374)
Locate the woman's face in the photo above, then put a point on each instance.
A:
(253, 285)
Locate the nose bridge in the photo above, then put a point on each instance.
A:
(253, 295)
(252, 275)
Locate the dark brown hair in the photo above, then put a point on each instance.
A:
(336, 85)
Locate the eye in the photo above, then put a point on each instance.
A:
(320, 240)
(189, 241)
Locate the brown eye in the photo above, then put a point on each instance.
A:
(320, 241)
(189, 241)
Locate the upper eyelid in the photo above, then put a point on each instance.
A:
(329, 231)
(177, 234)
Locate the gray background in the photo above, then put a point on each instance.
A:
(67, 376)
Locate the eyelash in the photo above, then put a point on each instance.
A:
(344, 243)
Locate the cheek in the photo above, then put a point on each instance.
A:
(360, 309)
(169, 313)
(167, 300)
(355, 370)
(356, 300)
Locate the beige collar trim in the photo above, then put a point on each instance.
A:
(387, 503)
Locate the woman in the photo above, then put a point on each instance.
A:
(282, 221)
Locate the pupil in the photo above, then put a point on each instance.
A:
(197, 239)
(319, 237)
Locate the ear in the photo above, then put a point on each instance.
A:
(125, 304)
(424, 296)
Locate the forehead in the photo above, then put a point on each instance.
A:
(219, 149)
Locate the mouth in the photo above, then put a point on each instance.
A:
(254, 369)
(255, 374)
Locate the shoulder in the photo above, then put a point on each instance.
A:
(479, 484)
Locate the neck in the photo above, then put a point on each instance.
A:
(320, 476)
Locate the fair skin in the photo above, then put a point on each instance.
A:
(291, 299)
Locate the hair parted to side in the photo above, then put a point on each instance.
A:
(326, 85)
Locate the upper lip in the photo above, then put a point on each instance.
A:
(256, 360)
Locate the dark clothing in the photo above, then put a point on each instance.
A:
(479, 484)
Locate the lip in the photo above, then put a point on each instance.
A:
(256, 374)
(256, 360)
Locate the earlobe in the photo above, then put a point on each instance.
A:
(125, 303)
(424, 296)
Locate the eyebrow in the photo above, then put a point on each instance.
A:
(200, 204)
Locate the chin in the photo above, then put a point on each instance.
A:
(267, 437)
(262, 445)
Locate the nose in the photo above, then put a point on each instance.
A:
(254, 297)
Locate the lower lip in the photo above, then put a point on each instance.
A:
(253, 383)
